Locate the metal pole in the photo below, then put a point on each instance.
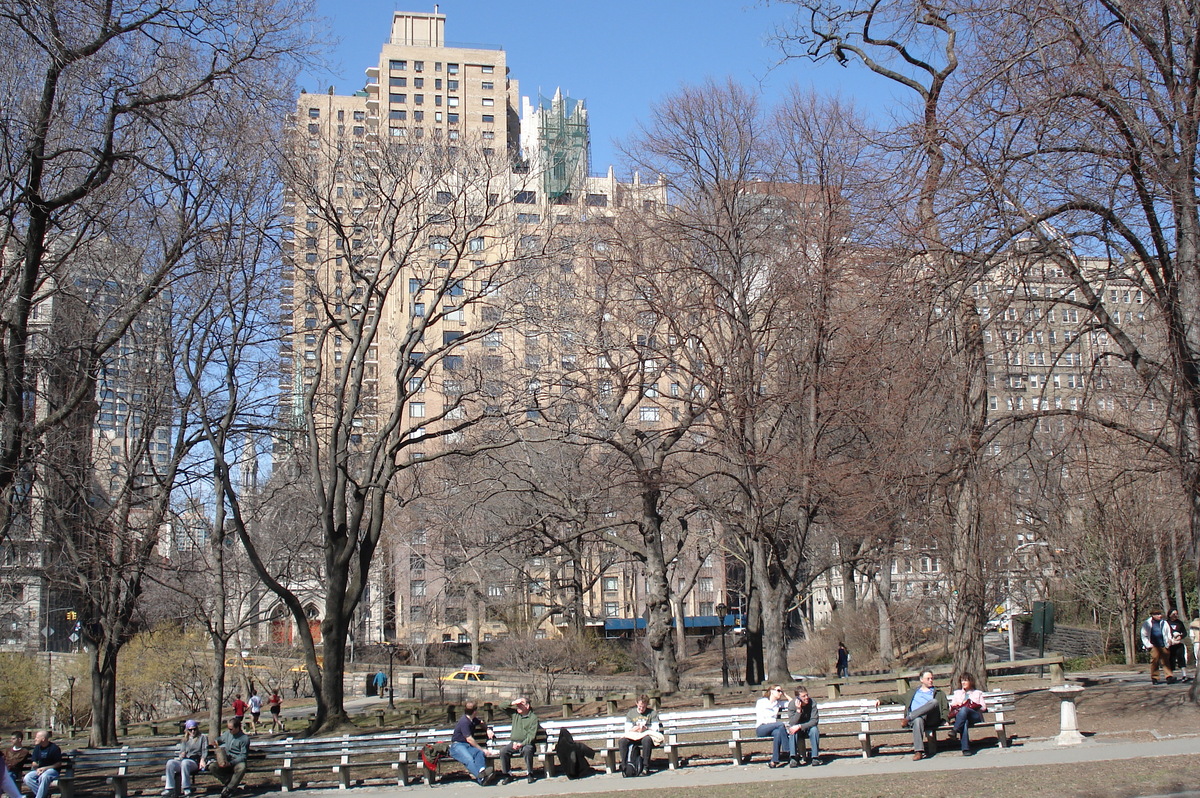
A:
(71, 685)
(391, 680)
(721, 610)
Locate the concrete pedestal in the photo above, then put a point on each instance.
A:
(1068, 720)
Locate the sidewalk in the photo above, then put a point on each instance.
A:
(1030, 753)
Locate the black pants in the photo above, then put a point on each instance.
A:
(639, 750)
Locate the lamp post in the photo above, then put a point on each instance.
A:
(721, 610)
(391, 647)
(71, 686)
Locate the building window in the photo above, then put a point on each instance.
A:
(487, 85)
(648, 414)
(417, 587)
(488, 118)
(488, 102)
(416, 562)
(596, 200)
(418, 309)
(398, 66)
(416, 410)
(706, 608)
(487, 69)
(610, 584)
(418, 66)
(452, 69)
(397, 98)
(612, 609)
(314, 113)
(705, 583)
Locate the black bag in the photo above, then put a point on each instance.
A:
(572, 756)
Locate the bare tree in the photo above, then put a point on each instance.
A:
(425, 239)
(100, 97)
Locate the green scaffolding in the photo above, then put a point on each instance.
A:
(563, 138)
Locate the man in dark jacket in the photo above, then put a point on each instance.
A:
(924, 708)
(802, 725)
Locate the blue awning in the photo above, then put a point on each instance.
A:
(689, 622)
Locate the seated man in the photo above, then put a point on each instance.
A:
(525, 728)
(232, 750)
(44, 760)
(924, 708)
(802, 725)
(642, 731)
(466, 749)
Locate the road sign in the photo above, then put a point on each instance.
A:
(74, 638)
(48, 631)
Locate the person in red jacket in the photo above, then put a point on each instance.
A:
(239, 707)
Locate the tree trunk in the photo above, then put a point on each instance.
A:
(216, 699)
(1177, 575)
(1164, 595)
(104, 697)
(754, 636)
(883, 613)
(331, 708)
(773, 599)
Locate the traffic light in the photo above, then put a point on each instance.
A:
(72, 615)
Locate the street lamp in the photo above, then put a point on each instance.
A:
(71, 685)
(721, 610)
(391, 647)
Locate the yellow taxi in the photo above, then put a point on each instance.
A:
(469, 674)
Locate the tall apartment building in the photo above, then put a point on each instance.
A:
(429, 171)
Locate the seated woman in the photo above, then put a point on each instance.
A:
(966, 708)
(642, 732)
(768, 712)
(191, 757)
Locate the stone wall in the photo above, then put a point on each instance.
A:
(1070, 641)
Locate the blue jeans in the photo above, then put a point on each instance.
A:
(471, 757)
(963, 721)
(780, 739)
(814, 747)
(40, 785)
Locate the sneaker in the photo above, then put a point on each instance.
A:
(168, 791)
(1154, 681)
(795, 763)
(1170, 680)
(485, 776)
(817, 761)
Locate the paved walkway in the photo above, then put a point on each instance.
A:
(1027, 753)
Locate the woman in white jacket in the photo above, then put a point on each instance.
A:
(769, 713)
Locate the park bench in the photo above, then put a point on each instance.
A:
(884, 721)
(341, 756)
(126, 763)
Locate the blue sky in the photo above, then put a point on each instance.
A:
(622, 56)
